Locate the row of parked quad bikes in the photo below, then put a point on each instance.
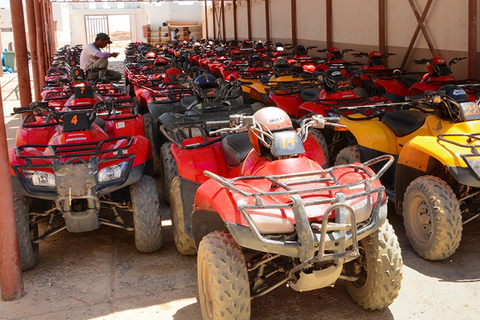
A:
(276, 165)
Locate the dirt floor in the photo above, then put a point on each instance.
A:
(100, 275)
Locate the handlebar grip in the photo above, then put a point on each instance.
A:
(123, 100)
(21, 109)
(332, 119)
(218, 123)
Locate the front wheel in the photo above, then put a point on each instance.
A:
(146, 215)
(28, 250)
(432, 218)
(323, 143)
(348, 155)
(378, 270)
(223, 285)
(169, 170)
(149, 134)
(183, 238)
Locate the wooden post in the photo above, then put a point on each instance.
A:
(21, 55)
(293, 6)
(235, 35)
(249, 20)
(328, 21)
(40, 40)
(472, 39)
(32, 35)
(267, 21)
(11, 280)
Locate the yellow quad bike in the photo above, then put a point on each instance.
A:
(258, 91)
(435, 181)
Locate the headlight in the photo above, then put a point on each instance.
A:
(112, 172)
(271, 225)
(474, 165)
(40, 178)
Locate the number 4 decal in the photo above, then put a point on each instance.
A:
(74, 120)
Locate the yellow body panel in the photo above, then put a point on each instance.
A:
(415, 149)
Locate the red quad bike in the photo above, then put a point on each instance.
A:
(223, 155)
(439, 74)
(78, 170)
(375, 79)
(335, 60)
(283, 219)
(337, 92)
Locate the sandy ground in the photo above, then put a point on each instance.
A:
(100, 275)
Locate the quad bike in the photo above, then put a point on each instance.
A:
(435, 183)
(79, 170)
(335, 60)
(208, 103)
(193, 154)
(440, 74)
(279, 218)
(282, 75)
(375, 79)
(337, 92)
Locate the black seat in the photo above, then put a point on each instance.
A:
(310, 94)
(404, 122)
(235, 148)
(188, 101)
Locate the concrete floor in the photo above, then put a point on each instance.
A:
(100, 275)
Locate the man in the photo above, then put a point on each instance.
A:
(191, 36)
(94, 62)
(175, 35)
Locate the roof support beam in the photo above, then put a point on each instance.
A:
(267, 21)
(235, 35)
(420, 26)
(249, 20)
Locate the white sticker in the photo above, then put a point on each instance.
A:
(120, 125)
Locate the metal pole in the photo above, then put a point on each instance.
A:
(21, 56)
(32, 35)
(11, 280)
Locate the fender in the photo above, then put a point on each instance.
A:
(417, 152)
(372, 134)
(193, 163)
(311, 107)
(287, 102)
(392, 86)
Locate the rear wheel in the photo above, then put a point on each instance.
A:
(378, 270)
(223, 285)
(432, 218)
(149, 134)
(348, 155)
(323, 143)
(28, 250)
(169, 170)
(146, 215)
(183, 238)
